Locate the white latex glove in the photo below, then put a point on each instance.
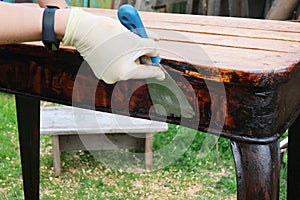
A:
(109, 48)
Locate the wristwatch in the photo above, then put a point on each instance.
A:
(48, 34)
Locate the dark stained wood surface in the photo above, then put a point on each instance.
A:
(293, 190)
(257, 170)
(28, 114)
(246, 72)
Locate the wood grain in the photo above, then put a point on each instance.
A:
(241, 73)
(232, 43)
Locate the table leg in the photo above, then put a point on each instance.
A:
(28, 115)
(293, 189)
(257, 170)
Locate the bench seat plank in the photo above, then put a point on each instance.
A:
(65, 120)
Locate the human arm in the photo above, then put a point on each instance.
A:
(107, 46)
(21, 23)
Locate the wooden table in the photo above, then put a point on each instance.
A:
(243, 82)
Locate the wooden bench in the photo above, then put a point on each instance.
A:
(80, 129)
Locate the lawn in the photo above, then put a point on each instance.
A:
(192, 175)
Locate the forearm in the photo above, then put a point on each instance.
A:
(24, 23)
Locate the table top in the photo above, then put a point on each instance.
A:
(231, 43)
(243, 74)
(222, 44)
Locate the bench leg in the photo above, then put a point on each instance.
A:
(148, 151)
(257, 170)
(293, 188)
(28, 115)
(56, 155)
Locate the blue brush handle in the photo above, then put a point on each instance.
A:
(131, 19)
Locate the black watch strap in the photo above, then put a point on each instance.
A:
(48, 34)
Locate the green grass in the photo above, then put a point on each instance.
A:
(191, 174)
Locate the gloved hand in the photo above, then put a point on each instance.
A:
(109, 48)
